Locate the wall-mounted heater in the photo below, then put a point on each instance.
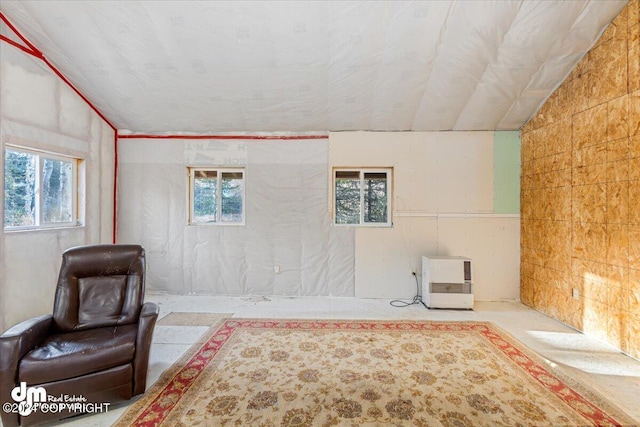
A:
(447, 282)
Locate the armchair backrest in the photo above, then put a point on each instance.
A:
(99, 285)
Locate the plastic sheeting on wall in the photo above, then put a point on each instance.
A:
(287, 220)
(40, 112)
(197, 66)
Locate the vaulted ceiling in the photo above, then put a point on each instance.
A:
(303, 66)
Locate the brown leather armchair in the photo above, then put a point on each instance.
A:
(96, 343)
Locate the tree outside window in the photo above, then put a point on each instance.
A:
(217, 196)
(361, 197)
(39, 190)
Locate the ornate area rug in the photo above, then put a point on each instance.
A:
(325, 373)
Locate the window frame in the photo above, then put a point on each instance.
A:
(362, 171)
(40, 157)
(191, 175)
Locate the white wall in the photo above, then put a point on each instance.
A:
(39, 111)
(442, 205)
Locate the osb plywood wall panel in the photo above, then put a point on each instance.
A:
(580, 198)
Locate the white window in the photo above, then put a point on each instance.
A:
(40, 190)
(362, 196)
(216, 196)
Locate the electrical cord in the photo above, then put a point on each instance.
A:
(416, 300)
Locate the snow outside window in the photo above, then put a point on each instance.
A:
(362, 197)
(216, 196)
(40, 190)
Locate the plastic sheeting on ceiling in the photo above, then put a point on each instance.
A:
(222, 66)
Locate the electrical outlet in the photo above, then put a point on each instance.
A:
(412, 272)
(575, 293)
(276, 269)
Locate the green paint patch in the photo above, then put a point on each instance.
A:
(506, 172)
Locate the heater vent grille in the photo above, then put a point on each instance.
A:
(450, 288)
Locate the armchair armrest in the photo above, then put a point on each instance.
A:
(14, 344)
(150, 309)
(146, 324)
(24, 336)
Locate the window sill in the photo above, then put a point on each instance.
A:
(40, 229)
(385, 225)
(216, 224)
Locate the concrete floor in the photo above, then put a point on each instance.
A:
(602, 367)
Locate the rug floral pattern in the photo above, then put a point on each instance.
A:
(322, 373)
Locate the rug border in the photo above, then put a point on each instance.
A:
(131, 413)
(573, 383)
(587, 392)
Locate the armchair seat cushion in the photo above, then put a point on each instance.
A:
(72, 354)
